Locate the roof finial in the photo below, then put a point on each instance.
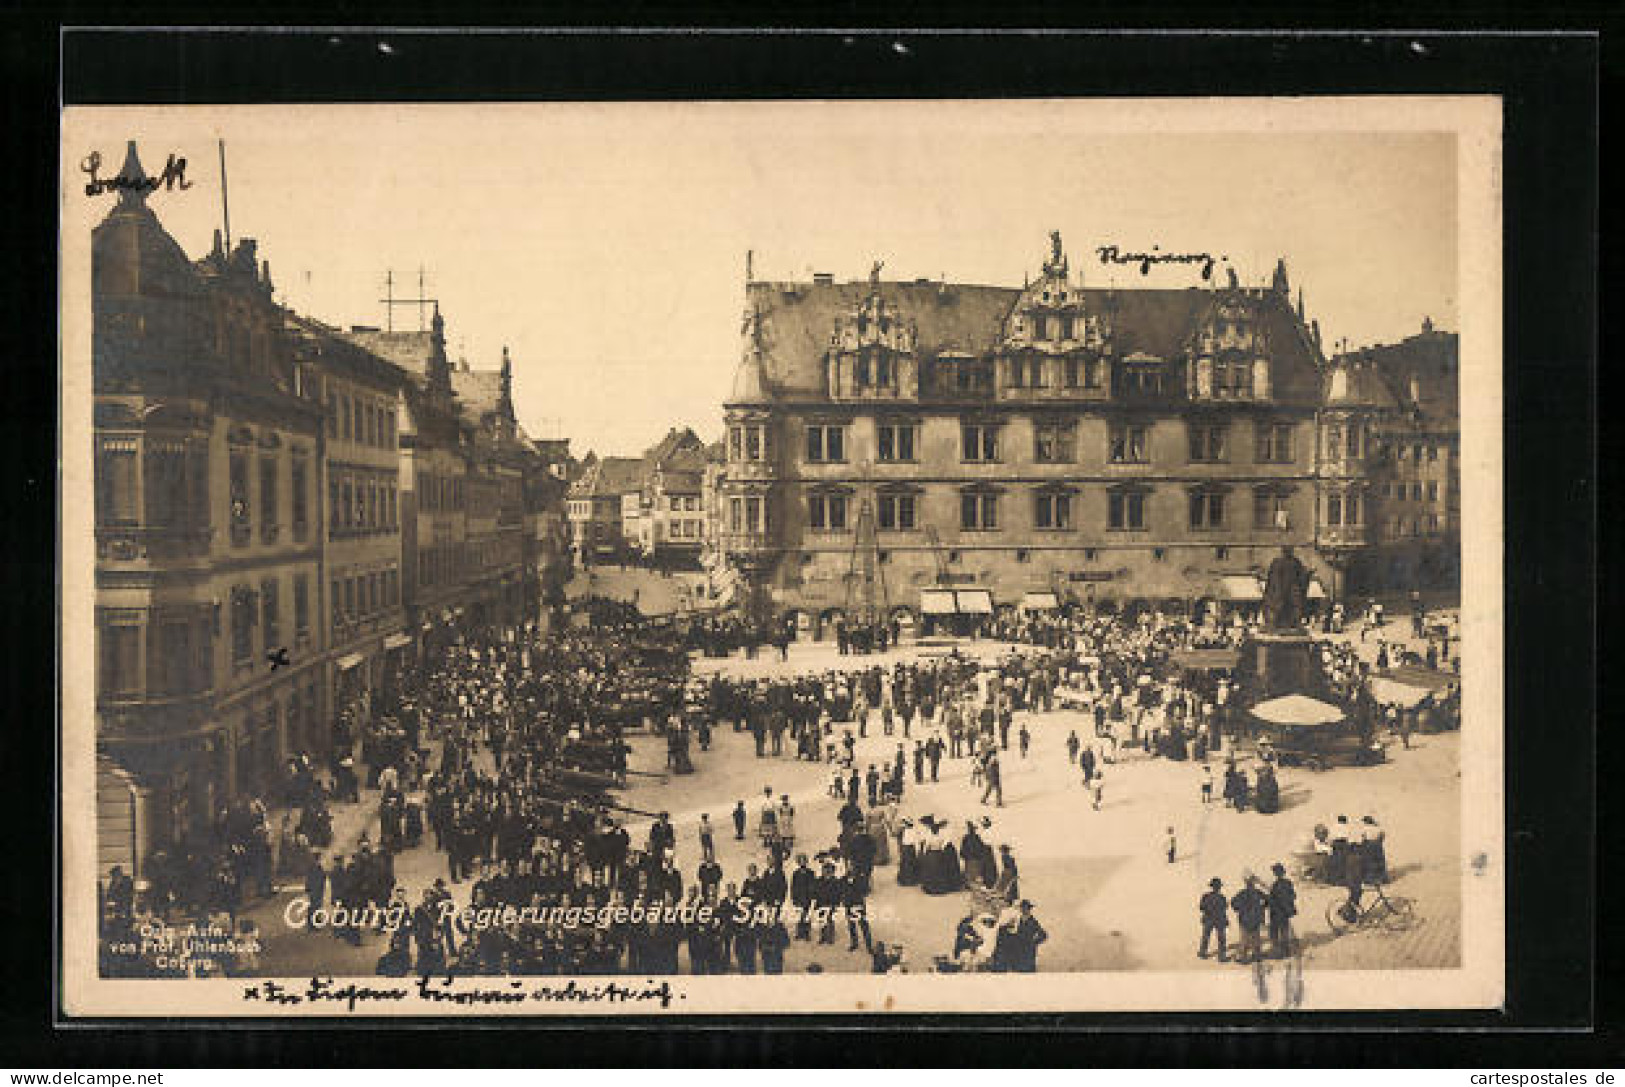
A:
(134, 194)
(874, 274)
(749, 269)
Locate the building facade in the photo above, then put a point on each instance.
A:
(1046, 442)
(210, 647)
(596, 508)
(364, 614)
(1413, 465)
(285, 515)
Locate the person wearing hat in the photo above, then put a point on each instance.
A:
(1016, 948)
(1283, 904)
(1215, 913)
(802, 882)
(1250, 905)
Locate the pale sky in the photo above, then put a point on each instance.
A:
(605, 244)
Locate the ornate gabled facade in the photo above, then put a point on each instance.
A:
(1054, 439)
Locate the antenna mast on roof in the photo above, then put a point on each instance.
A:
(225, 203)
(390, 301)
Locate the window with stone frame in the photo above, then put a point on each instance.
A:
(1125, 509)
(897, 511)
(1130, 443)
(1273, 442)
(116, 482)
(896, 442)
(1209, 442)
(1052, 509)
(299, 498)
(1054, 441)
(242, 516)
(243, 619)
(120, 672)
(979, 442)
(978, 511)
(826, 511)
(1207, 508)
(826, 443)
(1270, 508)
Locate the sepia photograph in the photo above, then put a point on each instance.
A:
(700, 558)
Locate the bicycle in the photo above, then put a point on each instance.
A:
(1379, 910)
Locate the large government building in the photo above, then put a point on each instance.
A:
(936, 448)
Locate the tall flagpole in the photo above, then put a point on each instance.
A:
(225, 203)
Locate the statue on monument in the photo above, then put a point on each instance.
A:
(1286, 593)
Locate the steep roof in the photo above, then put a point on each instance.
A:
(479, 391)
(1432, 358)
(1354, 382)
(411, 351)
(609, 476)
(796, 320)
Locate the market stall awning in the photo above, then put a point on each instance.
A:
(974, 601)
(937, 602)
(1206, 660)
(349, 661)
(1391, 692)
(1297, 709)
(1430, 678)
(397, 641)
(1242, 587)
(1317, 591)
(1040, 602)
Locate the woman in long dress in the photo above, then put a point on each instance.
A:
(908, 864)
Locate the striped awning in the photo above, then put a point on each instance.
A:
(1040, 602)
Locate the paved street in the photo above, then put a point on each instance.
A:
(1100, 881)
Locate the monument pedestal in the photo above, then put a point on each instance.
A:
(1282, 663)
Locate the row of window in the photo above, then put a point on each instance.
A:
(1410, 491)
(1053, 443)
(262, 608)
(1401, 527)
(438, 493)
(249, 507)
(365, 420)
(1055, 509)
(154, 481)
(360, 502)
(685, 529)
(683, 502)
(179, 657)
(363, 595)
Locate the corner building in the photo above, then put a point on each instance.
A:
(208, 441)
(1045, 444)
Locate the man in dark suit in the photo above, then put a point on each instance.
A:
(801, 896)
(1215, 912)
(1024, 941)
(828, 893)
(1250, 905)
(1283, 906)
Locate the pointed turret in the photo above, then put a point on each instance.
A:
(438, 371)
(134, 194)
(1300, 304)
(1278, 283)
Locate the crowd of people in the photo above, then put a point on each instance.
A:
(501, 749)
